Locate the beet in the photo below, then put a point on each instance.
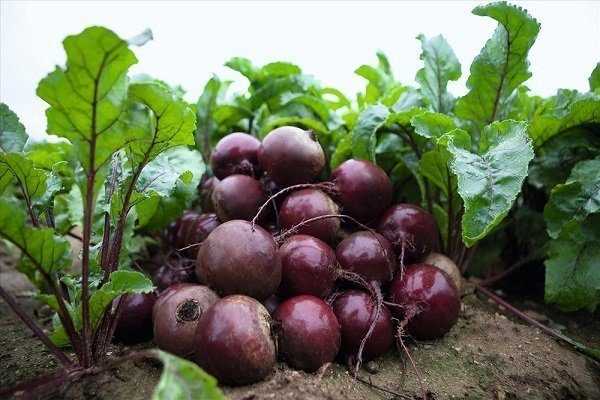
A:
(368, 254)
(192, 228)
(308, 203)
(206, 190)
(448, 266)
(362, 188)
(307, 266)
(309, 333)
(135, 322)
(235, 259)
(411, 230)
(235, 153)
(427, 299)
(234, 342)
(172, 273)
(176, 315)
(238, 197)
(291, 155)
(355, 310)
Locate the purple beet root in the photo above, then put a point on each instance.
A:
(368, 254)
(355, 310)
(427, 299)
(309, 203)
(176, 315)
(307, 266)
(363, 189)
(411, 230)
(238, 197)
(235, 153)
(135, 321)
(237, 259)
(309, 333)
(192, 228)
(234, 342)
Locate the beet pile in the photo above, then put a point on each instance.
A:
(288, 263)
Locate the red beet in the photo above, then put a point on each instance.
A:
(309, 333)
(307, 266)
(411, 230)
(235, 259)
(236, 153)
(291, 155)
(135, 321)
(238, 197)
(368, 254)
(428, 299)
(172, 273)
(234, 342)
(192, 228)
(355, 311)
(176, 315)
(206, 190)
(308, 203)
(363, 189)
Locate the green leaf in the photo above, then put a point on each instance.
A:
(364, 134)
(343, 152)
(206, 127)
(489, 182)
(244, 67)
(574, 200)
(432, 125)
(307, 123)
(384, 63)
(595, 78)
(12, 132)
(440, 66)
(46, 250)
(502, 64)
(573, 267)
(182, 380)
(279, 69)
(341, 99)
(31, 180)
(230, 115)
(88, 96)
(272, 90)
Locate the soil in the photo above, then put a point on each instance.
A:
(487, 355)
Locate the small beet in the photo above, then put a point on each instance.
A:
(234, 342)
(427, 299)
(135, 321)
(307, 266)
(448, 266)
(176, 315)
(172, 273)
(238, 197)
(411, 230)
(355, 310)
(291, 155)
(237, 259)
(363, 189)
(235, 153)
(192, 228)
(309, 333)
(368, 254)
(309, 203)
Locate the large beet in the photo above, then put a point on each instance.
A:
(355, 311)
(291, 155)
(368, 254)
(309, 333)
(135, 322)
(238, 197)
(411, 230)
(234, 342)
(427, 298)
(176, 315)
(235, 153)
(307, 266)
(235, 259)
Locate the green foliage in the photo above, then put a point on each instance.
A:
(12, 133)
(364, 134)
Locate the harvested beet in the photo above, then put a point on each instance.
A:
(176, 315)
(173, 272)
(239, 259)
(238, 197)
(291, 155)
(448, 266)
(363, 189)
(234, 342)
(368, 254)
(206, 190)
(355, 311)
(309, 333)
(235, 153)
(427, 299)
(135, 322)
(271, 303)
(192, 228)
(411, 230)
(307, 266)
(309, 203)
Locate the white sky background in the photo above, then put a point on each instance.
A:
(192, 40)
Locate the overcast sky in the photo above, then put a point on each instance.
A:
(192, 40)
